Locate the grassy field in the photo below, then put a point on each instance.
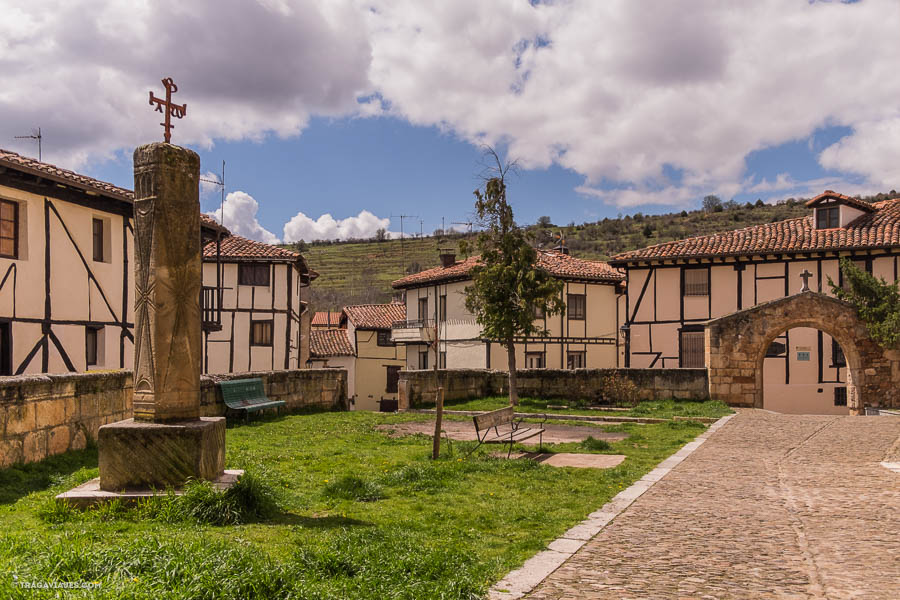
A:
(662, 409)
(362, 515)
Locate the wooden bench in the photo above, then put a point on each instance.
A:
(501, 427)
(247, 395)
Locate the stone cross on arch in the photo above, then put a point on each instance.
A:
(805, 275)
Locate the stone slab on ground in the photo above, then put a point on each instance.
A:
(571, 459)
(771, 506)
(465, 431)
(89, 493)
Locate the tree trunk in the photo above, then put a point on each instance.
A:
(513, 386)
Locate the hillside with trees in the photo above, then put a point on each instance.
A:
(361, 271)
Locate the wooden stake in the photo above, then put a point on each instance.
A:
(439, 405)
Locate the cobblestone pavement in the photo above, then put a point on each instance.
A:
(771, 506)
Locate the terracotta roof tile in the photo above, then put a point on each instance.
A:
(49, 171)
(563, 266)
(879, 228)
(325, 318)
(375, 316)
(329, 342)
(240, 248)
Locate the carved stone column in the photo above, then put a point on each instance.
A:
(167, 442)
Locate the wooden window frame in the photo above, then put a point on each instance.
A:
(380, 338)
(15, 235)
(838, 358)
(840, 396)
(579, 353)
(442, 359)
(442, 307)
(254, 341)
(423, 314)
(423, 360)
(828, 217)
(97, 239)
(697, 288)
(391, 385)
(89, 332)
(682, 354)
(576, 315)
(251, 274)
(541, 355)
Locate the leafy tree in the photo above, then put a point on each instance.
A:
(648, 230)
(759, 203)
(544, 221)
(877, 302)
(712, 203)
(300, 246)
(381, 235)
(507, 284)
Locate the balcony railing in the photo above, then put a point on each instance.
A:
(413, 324)
(211, 308)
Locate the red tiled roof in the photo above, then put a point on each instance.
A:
(375, 316)
(326, 318)
(235, 247)
(563, 266)
(52, 172)
(877, 229)
(848, 200)
(329, 342)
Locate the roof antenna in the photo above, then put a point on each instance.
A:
(221, 185)
(37, 137)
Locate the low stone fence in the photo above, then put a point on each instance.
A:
(418, 388)
(43, 415)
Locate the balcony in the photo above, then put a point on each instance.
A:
(211, 308)
(413, 331)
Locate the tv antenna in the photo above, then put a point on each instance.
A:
(468, 224)
(402, 254)
(33, 136)
(221, 184)
(219, 266)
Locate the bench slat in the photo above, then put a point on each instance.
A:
(247, 394)
(494, 418)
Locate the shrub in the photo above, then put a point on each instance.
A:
(592, 444)
(619, 391)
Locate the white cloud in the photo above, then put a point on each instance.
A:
(240, 218)
(326, 227)
(616, 91)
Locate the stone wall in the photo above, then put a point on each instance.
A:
(43, 415)
(418, 388)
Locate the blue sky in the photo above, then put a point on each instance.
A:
(335, 115)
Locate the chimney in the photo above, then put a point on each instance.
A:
(448, 257)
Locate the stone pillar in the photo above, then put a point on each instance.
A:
(167, 442)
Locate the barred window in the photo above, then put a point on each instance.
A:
(696, 282)
(840, 396)
(692, 349)
(534, 360)
(575, 360)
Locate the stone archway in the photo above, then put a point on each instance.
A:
(736, 345)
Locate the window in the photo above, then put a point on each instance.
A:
(837, 355)
(384, 338)
(840, 396)
(9, 229)
(692, 349)
(538, 312)
(696, 282)
(98, 239)
(442, 308)
(443, 360)
(253, 274)
(423, 359)
(393, 377)
(423, 309)
(776, 349)
(534, 360)
(576, 304)
(261, 333)
(92, 340)
(827, 218)
(575, 360)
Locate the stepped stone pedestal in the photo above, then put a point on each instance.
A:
(167, 442)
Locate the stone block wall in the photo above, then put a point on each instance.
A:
(418, 388)
(43, 415)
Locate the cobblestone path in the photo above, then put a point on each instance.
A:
(771, 506)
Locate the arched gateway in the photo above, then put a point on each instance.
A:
(736, 345)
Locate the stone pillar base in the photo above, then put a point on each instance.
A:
(141, 455)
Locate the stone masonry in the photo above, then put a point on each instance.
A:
(736, 345)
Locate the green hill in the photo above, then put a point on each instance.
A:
(361, 271)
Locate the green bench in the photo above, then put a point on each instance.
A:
(247, 395)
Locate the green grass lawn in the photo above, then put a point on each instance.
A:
(659, 409)
(362, 515)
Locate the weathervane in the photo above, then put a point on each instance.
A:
(170, 110)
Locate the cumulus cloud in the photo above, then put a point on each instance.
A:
(326, 227)
(240, 218)
(622, 92)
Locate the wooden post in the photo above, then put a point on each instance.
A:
(439, 405)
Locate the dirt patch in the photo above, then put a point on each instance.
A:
(462, 431)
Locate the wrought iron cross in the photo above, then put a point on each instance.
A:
(805, 275)
(170, 110)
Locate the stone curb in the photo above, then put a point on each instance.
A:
(551, 416)
(521, 581)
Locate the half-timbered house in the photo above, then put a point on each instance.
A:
(438, 326)
(675, 287)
